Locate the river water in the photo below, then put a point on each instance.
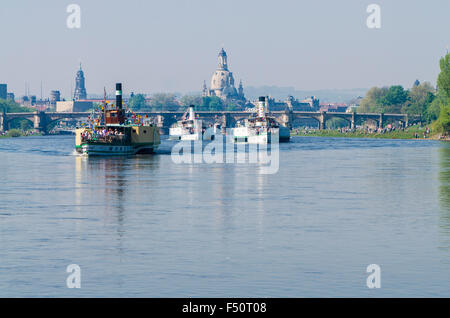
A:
(145, 226)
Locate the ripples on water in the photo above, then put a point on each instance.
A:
(144, 226)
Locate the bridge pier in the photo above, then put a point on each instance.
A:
(381, 121)
(322, 121)
(287, 119)
(226, 121)
(40, 122)
(3, 122)
(353, 121)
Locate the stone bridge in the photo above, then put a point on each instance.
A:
(164, 119)
(40, 120)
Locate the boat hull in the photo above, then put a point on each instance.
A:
(285, 134)
(244, 134)
(133, 140)
(116, 150)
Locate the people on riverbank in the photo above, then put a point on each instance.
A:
(389, 131)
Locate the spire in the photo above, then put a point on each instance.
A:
(80, 89)
(204, 90)
(241, 90)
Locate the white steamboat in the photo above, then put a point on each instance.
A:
(192, 128)
(260, 129)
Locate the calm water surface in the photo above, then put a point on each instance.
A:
(144, 226)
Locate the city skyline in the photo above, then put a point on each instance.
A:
(172, 46)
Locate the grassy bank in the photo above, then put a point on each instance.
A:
(414, 132)
(18, 133)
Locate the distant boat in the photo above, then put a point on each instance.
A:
(260, 129)
(192, 128)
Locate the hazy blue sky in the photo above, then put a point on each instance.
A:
(172, 45)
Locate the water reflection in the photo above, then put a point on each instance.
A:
(444, 188)
(108, 182)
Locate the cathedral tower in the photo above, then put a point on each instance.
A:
(80, 89)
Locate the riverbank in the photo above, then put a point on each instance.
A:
(18, 133)
(409, 133)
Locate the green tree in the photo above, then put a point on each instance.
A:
(137, 102)
(164, 101)
(212, 103)
(443, 122)
(188, 100)
(443, 80)
(370, 102)
(9, 106)
(394, 99)
(419, 100)
(433, 110)
(384, 100)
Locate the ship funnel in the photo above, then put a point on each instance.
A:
(261, 106)
(119, 95)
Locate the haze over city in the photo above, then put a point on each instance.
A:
(162, 46)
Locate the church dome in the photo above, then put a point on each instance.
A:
(220, 80)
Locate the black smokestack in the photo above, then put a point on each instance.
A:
(119, 95)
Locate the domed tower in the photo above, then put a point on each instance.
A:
(222, 81)
(80, 89)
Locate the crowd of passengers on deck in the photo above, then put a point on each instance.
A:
(101, 134)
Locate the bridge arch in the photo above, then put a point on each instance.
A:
(363, 120)
(15, 119)
(331, 116)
